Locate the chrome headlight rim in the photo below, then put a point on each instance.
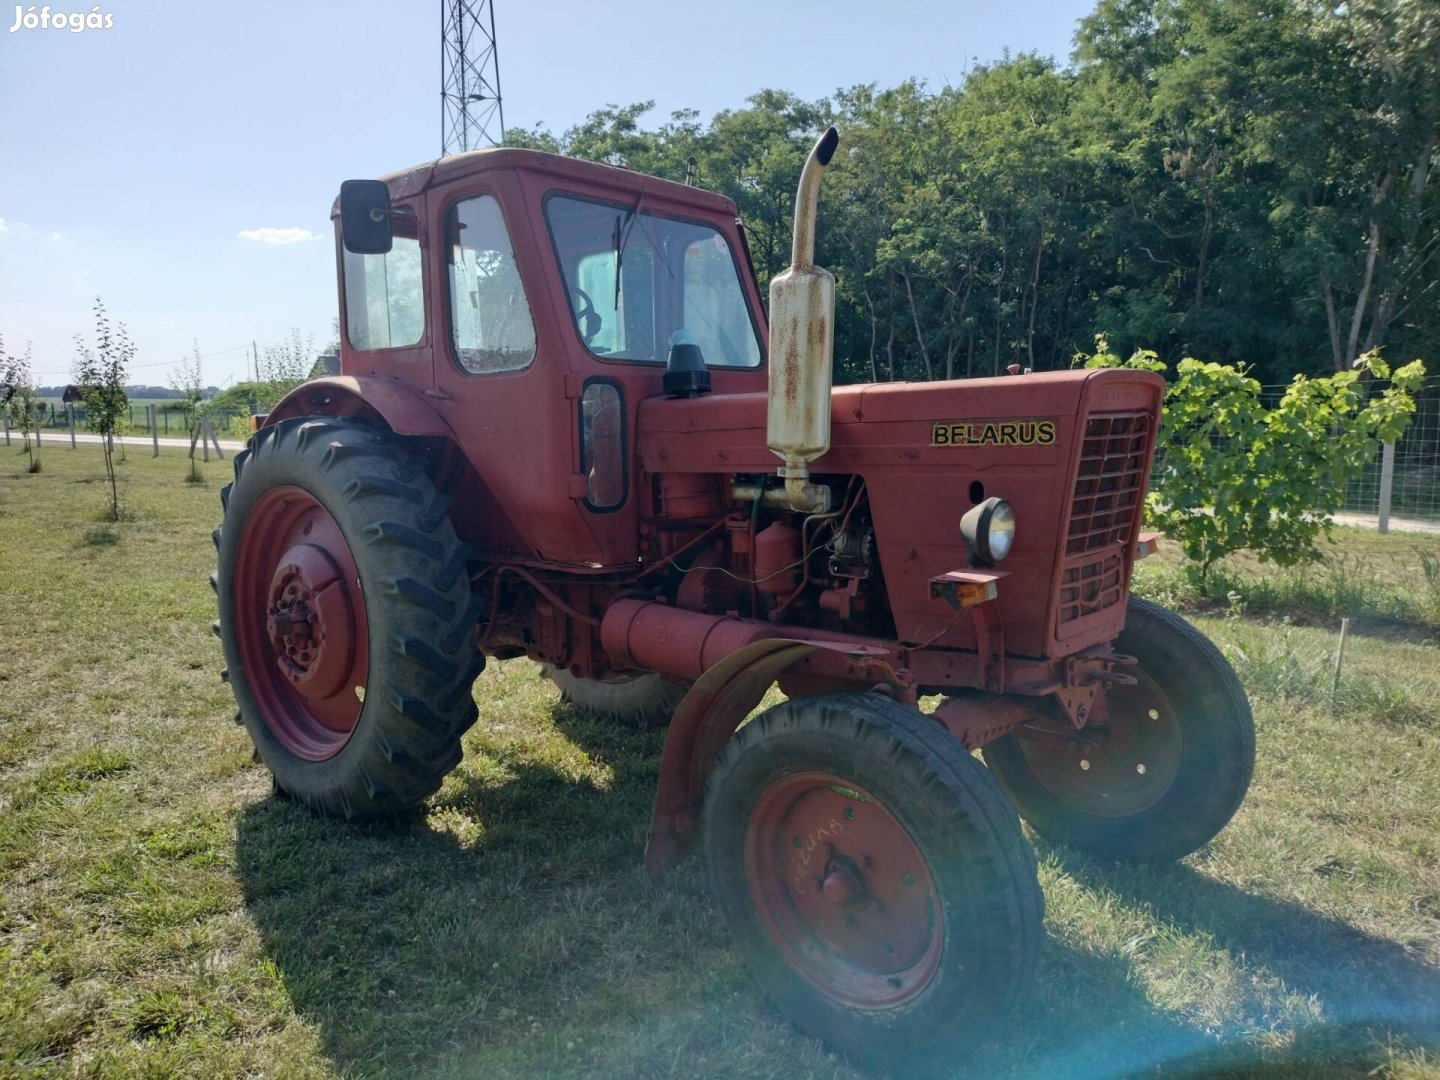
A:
(989, 529)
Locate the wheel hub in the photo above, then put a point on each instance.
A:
(303, 638)
(1119, 768)
(843, 891)
(310, 621)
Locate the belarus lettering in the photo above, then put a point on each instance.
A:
(1003, 433)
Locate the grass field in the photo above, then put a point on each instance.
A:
(162, 914)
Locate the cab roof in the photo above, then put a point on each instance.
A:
(410, 182)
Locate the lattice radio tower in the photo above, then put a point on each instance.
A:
(471, 113)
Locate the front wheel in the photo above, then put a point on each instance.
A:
(873, 876)
(1165, 770)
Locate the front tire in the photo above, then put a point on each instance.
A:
(873, 876)
(346, 617)
(1167, 770)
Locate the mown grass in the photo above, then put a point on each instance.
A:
(1392, 579)
(162, 914)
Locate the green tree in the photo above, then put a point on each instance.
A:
(19, 394)
(100, 374)
(289, 360)
(188, 382)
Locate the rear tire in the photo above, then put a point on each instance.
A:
(346, 617)
(1172, 768)
(638, 701)
(874, 877)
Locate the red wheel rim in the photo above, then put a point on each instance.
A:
(1117, 766)
(300, 623)
(843, 891)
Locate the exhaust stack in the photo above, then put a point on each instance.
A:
(802, 343)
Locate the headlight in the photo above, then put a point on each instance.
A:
(989, 529)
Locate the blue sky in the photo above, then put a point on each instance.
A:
(134, 159)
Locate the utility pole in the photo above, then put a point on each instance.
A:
(471, 113)
(255, 358)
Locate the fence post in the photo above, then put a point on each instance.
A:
(70, 415)
(1387, 484)
(7, 426)
(154, 430)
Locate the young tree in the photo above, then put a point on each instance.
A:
(18, 393)
(188, 382)
(1234, 474)
(289, 361)
(100, 374)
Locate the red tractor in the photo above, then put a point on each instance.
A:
(563, 432)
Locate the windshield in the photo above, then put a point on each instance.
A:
(635, 278)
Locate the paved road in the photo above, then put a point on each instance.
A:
(133, 442)
(1372, 521)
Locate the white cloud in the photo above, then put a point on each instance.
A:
(54, 236)
(3, 226)
(270, 235)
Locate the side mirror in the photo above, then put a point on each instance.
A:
(365, 222)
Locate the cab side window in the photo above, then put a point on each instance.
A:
(490, 324)
(385, 297)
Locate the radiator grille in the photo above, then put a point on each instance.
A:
(1090, 587)
(1104, 514)
(1108, 482)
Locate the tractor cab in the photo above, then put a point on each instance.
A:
(499, 284)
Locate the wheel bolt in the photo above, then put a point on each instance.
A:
(795, 841)
(1085, 764)
(908, 880)
(849, 813)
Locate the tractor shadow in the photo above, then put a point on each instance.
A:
(513, 922)
(1371, 993)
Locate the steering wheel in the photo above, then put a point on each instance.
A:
(587, 317)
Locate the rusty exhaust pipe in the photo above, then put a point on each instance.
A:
(802, 344)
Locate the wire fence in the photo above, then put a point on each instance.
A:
(1415, 488)
(142, 419)
(1414, 463)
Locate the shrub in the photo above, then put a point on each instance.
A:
(1232, 474)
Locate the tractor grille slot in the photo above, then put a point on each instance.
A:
(1090, 587)
(1108, 482)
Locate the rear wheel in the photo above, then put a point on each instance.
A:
(641, 701)
(874, 878)
(346, 616)
(1165, 770)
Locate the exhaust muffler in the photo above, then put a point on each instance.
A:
(802, 345)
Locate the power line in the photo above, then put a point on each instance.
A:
(161, 363)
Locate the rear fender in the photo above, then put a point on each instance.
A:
(399, 407)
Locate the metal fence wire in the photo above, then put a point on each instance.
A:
(231, 422)
(1415, 491)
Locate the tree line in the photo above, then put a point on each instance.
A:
(1244, 180)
